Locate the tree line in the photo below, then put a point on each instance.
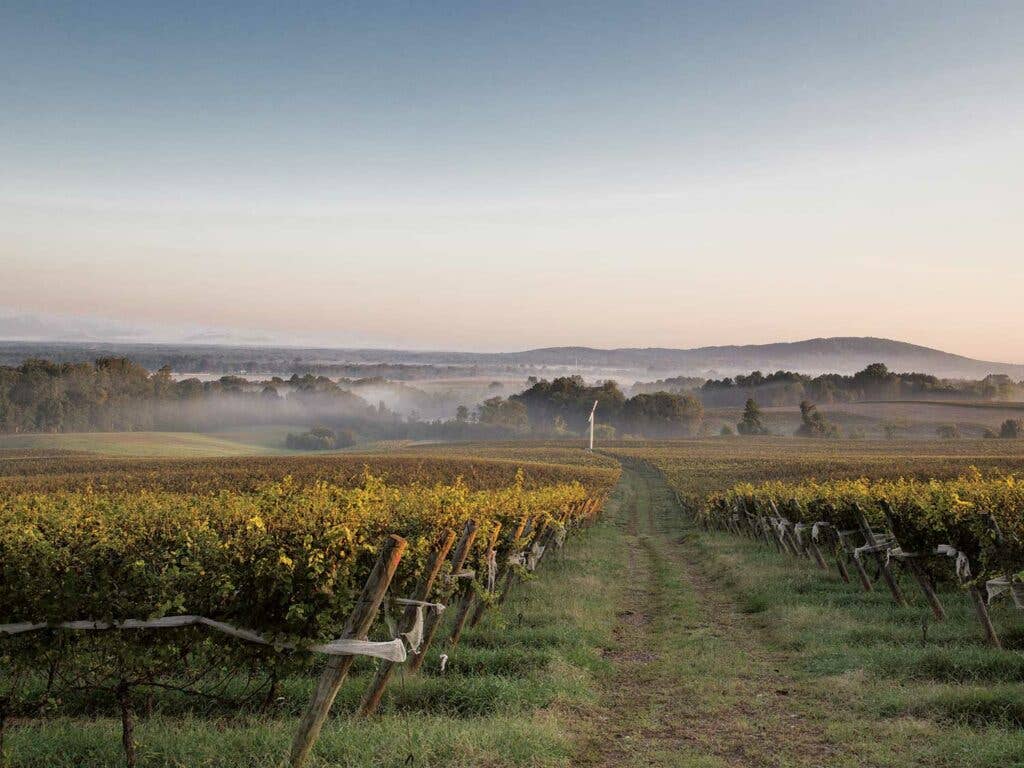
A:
(116, 395)
(875, 382)
(563, 405)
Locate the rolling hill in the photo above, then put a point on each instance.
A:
(843, 354)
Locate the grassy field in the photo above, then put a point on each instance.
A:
(146, 444)
(254, 441)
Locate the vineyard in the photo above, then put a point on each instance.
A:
(460, 605)
(189, 585)
(968, 531)
(887, 574)
(698, 468)
(44, 471)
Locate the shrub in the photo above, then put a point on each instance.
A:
(750, 423)
(320, 439)
(813, 423)
(1012, 429)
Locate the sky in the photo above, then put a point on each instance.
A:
(499, 176)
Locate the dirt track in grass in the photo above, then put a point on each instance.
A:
(692, 684)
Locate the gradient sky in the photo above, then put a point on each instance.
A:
(509, 175)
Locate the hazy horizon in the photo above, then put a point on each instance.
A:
(54, 330)
(455, 177)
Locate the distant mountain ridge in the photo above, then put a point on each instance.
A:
(843, 354)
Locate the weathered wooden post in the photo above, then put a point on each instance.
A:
(815, 551)
(469, 596)
(865, 580)
(926, 587)
(771, 534)
(883, 566)
(375, 692)
(337, 667)
(984, 619)
(963, 574)
(433, 621)
(919, 574)
(837, 551)
(481, 606)
(545, 540)
(510, 570)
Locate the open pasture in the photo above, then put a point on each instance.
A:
(145, 444)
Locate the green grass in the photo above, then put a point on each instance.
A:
(154, 444)
(504, 700)
(250, 441)
(910, 691)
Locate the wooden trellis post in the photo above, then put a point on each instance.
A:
(837, 550)
(819, 558)
(481, 606)
(983, 618)
(887, 574)
(433, 621)
(510, 571)
(374, 694)
(469, 596)
(337, 667)
(865, 580)
(919, 574)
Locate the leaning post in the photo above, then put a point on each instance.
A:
(374, 694)
(337, 667)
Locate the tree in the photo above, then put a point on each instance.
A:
(750, 422)
(663, 414)
(726, 431)
(1012, 429)
(813, 423)
(570, 398)
(317, 439)
(948, 431)
(462, 414)
(503, 413)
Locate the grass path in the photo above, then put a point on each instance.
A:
(727, 654)
(691, 686)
